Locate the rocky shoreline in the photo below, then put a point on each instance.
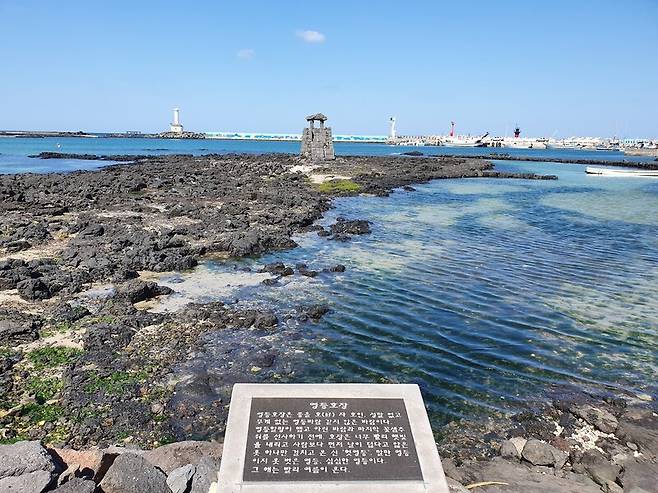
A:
(90, 157)
(83, 366)
(503, 156)
(577, 444)
(78, 362)
(584, 444)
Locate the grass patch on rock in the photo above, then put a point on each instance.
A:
(11, 441)
(58, 328)
(339, 187)
(58, 435)
(6, 352)
(37, 413)
(50, 357)
(115, 383)
(44, 388)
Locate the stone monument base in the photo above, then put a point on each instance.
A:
(329, 438)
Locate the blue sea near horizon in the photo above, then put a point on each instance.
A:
(488, 293)
(14, 152)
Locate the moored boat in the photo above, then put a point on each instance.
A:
(653, 173)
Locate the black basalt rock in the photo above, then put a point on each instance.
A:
(314, 312)
(34, 289)
(17, 328)
(265, 320)
(136, 291)
(343, 228)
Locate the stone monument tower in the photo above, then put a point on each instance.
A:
(317, 142)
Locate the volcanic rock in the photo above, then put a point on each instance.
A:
(175, 455)
(343, 228)
(205, 474)
(640, 476)
(599, 418)
(137, 290)
(314, 312)
(179, 479)
(77, 485)
(599, 468)
(25, 467)
(131, 473)
(539, 453)
(17, 328)
(34, 289)
(519, 478)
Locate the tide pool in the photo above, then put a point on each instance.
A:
(488, 293)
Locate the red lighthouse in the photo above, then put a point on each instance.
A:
(517, 132)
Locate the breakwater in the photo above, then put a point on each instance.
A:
(625, 163)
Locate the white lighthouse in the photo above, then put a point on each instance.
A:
(175, 126)
(392, 135)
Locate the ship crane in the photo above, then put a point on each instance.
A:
(484, 136)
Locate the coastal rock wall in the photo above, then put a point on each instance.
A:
(580, 445)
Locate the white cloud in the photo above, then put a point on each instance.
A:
(311, 36)
(245, 54)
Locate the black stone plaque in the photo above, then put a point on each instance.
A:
(330, 439)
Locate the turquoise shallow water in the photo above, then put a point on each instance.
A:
(487, 293)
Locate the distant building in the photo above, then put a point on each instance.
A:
(317, 142)
(372, 139)
(176, 126)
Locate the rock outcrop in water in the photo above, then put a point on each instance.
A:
(343, 229)
(165, 213)
(625, 163)
(89, 157)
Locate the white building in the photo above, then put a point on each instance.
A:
(176, 126)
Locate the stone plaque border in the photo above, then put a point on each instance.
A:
(235, 443)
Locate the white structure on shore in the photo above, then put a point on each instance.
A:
(391, 132)
(176, 126)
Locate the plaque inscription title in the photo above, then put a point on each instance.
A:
(329, 439)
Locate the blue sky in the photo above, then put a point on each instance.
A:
(555, 68)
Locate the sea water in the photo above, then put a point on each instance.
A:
(14, 152)
(488, 293)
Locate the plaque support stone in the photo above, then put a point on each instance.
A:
(329, 438)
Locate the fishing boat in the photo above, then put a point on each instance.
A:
(454, 140)
(464, 141)
(653, 173)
